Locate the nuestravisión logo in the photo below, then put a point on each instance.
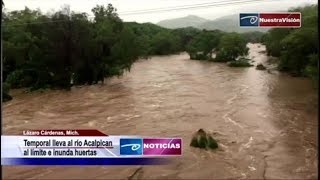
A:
(284, 20)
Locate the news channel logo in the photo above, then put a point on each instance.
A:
(249, 19)
(271, 20)
(130, 146)
(151, 146)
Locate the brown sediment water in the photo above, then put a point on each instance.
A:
(265, 123)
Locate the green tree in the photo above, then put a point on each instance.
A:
(231, 46)
(297, 46)
(272, 41)
(297, 49)
(164, 43)
(50, 51)
(186, 36)
(202, 45)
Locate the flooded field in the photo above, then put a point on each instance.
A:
(265, 122)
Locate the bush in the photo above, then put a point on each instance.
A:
(222, 56)
(311, 69)
(261, 67)
(5, 92)
(202, 140)
(5, 87)
(242, 62)
(15, 78)
(199, 56)
(231, 46)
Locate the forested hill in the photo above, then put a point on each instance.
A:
(188, 21)
(226, 23)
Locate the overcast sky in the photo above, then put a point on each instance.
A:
(134, 5)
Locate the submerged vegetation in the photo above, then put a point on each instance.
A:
(202, 45)
(260, 67)
(226, 46)
(242, 62)
(203, 140)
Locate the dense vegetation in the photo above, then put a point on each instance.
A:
(155, 40)
(50, 50)
(231, 46)
(64, 48)
(226, 46)
(297, 49)
(203, 44)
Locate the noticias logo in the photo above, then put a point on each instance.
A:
(164, 146)
(284, 20)
(151, 146)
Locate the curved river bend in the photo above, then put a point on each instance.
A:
(265, 122)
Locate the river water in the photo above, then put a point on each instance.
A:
(265, 122)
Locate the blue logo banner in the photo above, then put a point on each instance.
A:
(130, 146)
(249, 19)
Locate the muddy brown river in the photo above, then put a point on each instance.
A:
(265, 122)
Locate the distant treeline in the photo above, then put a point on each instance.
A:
(297, 49)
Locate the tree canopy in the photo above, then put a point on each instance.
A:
(297, 49)
(66, 48)
(50, 50)
(203, 44)
(231, 46)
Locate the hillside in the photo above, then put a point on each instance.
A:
(188, 21)
(226, 23)
(229, 24)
